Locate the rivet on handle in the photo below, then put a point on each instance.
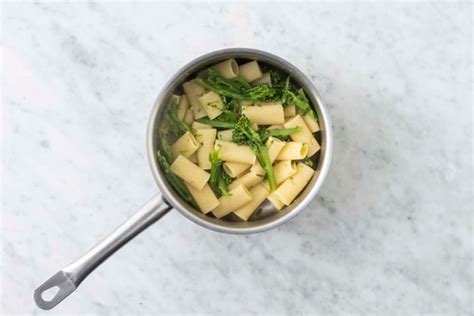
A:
(60, 284)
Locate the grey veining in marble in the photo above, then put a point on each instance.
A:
(390, 232)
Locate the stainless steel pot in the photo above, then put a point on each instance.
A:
(68, 279)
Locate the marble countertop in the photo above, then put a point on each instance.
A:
(390, 231)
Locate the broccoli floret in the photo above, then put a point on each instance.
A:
(244, 135)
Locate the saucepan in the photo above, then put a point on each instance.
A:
(68, 278)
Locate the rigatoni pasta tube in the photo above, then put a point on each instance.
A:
(312, 123)
(304, 135)
(293, 186)
(266, 114)
(275, 201)
(183, 106)
(206, 138)
(250, 71)
(235, 169)
(193, 92)
(194, 158)
(228, 69)
(189, 172)
(188, 117)
(186, 145)
(248, 180)
(212, 103)
(198, 125)
(283, 170)
(236, 153)
(205, 198)
(259, 193)
(274, 146)
(225, 135)
(264, 79)
(293, 151)
(290, 111)
(228, 203)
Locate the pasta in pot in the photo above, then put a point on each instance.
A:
(290, 189)
(250, 71)
(238, 136)
(207, 138)
(293, 151)
(225, 135)
(304, 135)
(186, 145)
(258, 193)
(193, 92)
(237, 197)
(266, 114)
(183, 106)
(205, 198)
(234, 169)
(212, 103)
(228, 69)
(189, 172)
(229, 151)
(248, 180)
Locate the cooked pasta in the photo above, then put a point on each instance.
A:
(237, 197)
(193, 92)
(293, 151)
(228, 69)
(189, 117)
(206, 137)
(235, 169)
(311, 122)
(258, 193)
(225, 135)
(236, 137)
(194, 158)
(212, 103)
(250, 71)
(264, 79)
(183, 106)
(189, 172)
(304, 135)
(186, 145)
(275, 201)
(283, 170)
(293, 186)
(229, 151)
(248, 180)
(205, 198)
(290, 111)
(197, 125)
(266, 114)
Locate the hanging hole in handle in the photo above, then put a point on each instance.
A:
(50, 293)
(54, 290)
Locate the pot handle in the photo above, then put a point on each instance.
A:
(68, 278)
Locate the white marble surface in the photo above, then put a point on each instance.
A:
(390, 232)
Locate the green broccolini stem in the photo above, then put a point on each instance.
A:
(279, 132)
(216, 123)
(177, 126)
(267, 166)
